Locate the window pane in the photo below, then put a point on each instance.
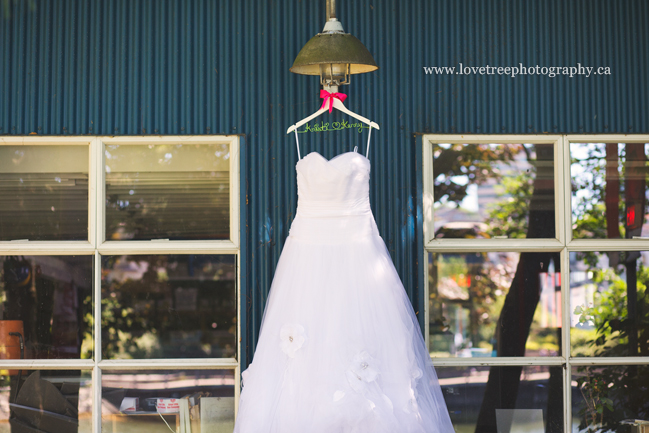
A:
(604, 396)
(51, 401)
(132, 400)
(609, 190)
(609, 304)
(43, 193)
(494, 304)
(503, 399)
(168, 306)
(488, 190)
(48, 301)
(168, 191)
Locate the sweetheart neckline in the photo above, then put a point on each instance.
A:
(337, 156)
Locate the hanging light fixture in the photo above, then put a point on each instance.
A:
(333, 54)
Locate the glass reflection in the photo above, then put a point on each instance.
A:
(609, 303)
(609, 190)
(167, 191)
(608, 398)
(494, 304)
(157, 401)
(43, 193)
(503, 399)
(45, 401)
(494, 190)
(46, 301)
(168, 306)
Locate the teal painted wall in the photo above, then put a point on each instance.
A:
(73, 67)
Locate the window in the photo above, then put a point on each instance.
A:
(119, 282)
(538, 262)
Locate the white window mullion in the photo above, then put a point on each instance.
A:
(237, 370)
(495, 245)
(607, 138)
(99, 206)
(96, 399)
(428, 227)
(96, 338)
(164, 364)
(426, 300)
(235, 173)
(502, 361)
(237, 388)
(609, 245)
(428, 199)
(97, 310)
(566, 215)
(92, 192)
(565, 339)
(567, 398)
(605, 360)
(100, 187)
(565, 303)
(42, 248)
(46, 364)
(168, 247)
(560, 191)
(564, 232)
(239, 309)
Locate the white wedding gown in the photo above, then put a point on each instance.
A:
(340, 349)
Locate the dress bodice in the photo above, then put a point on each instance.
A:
(333, 199)
(335, 187)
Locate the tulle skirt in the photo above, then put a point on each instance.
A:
(340, 349)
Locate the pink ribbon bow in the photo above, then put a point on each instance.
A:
(329, 96)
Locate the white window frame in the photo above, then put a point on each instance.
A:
(563, 243)
(96, 245)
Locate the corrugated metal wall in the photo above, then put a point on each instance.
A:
(221, 67)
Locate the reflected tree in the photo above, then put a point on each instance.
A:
(517, 314)
(529, 214)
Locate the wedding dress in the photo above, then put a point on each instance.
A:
(340, 349)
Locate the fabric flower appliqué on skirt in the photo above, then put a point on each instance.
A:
(362, 370)
(292, 337)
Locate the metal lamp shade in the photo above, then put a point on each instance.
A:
(333, 48)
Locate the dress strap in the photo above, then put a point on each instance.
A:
(367, 154)
(297, 143)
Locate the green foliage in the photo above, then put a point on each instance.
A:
(119, 327)
(509, 216)
(588, 193)
(616, 392)
(591, 224)
(596, 393)
(609, 313)
(127, 333)
(611, 394)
